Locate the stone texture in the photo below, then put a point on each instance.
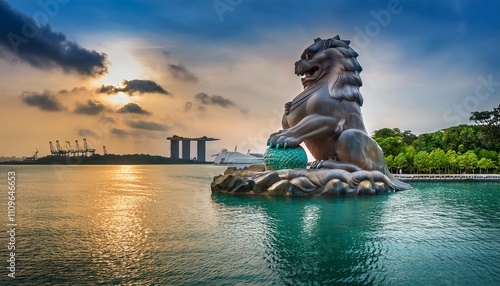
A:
(299, 182)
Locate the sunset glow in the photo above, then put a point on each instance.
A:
(144, 71)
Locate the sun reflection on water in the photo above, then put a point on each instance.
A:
(120, 233)
(310, 219)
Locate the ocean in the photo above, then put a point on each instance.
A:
(160, 225)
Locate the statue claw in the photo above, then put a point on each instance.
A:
(317, 164)
(270, 144)
(284, 146)
(277, 145)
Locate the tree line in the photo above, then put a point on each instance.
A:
(458, 149)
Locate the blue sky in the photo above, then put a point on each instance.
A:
(228, 65)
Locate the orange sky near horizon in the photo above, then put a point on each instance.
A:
(195, 73)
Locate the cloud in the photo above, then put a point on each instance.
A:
(45, 100)
(90, 107)
(108, 89)
(132, 86)
(206, 99)
(74, 90)
(43, 48)
(105, 119)
(120, 132)
(180, 72)
(86, 133)
(147, 125)
(132, 107)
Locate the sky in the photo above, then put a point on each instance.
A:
(127, 74)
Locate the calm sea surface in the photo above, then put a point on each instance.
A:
(160, 225)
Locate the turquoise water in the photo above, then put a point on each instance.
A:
(160, 225)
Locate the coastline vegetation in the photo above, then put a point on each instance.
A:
(454, 150)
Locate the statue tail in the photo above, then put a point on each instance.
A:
(399, 186)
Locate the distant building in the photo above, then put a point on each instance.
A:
(227, 157)
(186, 147)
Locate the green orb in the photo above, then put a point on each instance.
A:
(290, 158)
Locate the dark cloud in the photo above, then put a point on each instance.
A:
(188, 106)
(147, 125)
(105, 119)
(132, 107)
(134, 86)
(45, 100)
(75, 90)
(43, 48)
(180, 72)
(86, 133)
(206, 99)
(109, 89)
(142, 86)
(90, 107)
(120, 132)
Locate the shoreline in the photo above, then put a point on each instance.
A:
(448, 177)
(407, 178)
(109, 159)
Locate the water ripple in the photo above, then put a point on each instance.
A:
(159, 225)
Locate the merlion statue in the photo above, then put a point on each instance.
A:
(326, 116)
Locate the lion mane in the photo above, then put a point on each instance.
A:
(346, 68)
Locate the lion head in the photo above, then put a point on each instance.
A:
(335, 61)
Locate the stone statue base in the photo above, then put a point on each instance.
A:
(255, 180)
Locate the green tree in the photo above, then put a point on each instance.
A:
(461, 138)
(390, 140)
(421, 161)
(488, 154)
(438, 159)
(467, 161)
(408, 137)
(391, 145)
(428, 141)
(410, 154)
(498, 161)
(400, 161)
(490, 126)
(468, 137)
(461, 162)
(386, 133)
(451, 138)
(471, 160)
(452, 159)
(389, 161)
(485, 163)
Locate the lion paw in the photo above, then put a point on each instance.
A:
(317, 164)
(283, 139)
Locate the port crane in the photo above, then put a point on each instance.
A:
(88, 150)
(60, 150)
(79, 150)
(71, 151)
(34, 157)
(53, 150)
